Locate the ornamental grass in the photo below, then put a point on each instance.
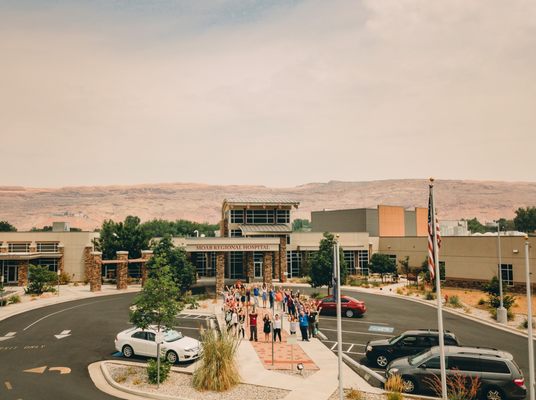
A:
(218, 370)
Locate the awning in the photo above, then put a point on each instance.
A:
(265, 229)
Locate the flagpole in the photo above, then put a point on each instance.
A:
(441, 333)
(336, 261)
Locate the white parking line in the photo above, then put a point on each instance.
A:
(185, 327)
(334, 345)
(350, 349)
(353, 320)
(360, 333)
(349, 352)
(355, 344)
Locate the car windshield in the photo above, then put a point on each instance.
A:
(172, 336)
(395, 339)
(419, 358)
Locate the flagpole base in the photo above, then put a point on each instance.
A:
(502, 315)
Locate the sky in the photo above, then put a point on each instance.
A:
(266, 92)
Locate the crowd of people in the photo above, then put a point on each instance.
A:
(266, 307)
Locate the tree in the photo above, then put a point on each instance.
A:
(404, 263)
(40, 279)
(475, 226)
(506, 224)
(181, 227)
(122, 236)
(525, 219)
(321, 272)
(426, 272)
(7, 227)
(182, 271)
(382, 264)
(301, 225)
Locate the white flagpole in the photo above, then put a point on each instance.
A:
(339, 316)
(529, 321)
(441, 333)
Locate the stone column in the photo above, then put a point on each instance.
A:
(94, 275)
(267, 268)
(220, 272)
(250, 273)
(277, 264)
(33, 247)
(88, 262)
(283, 259)
(61, 260)
(146, 255)
(23, 273)
(122, 270)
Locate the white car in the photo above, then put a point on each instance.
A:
(175, 346)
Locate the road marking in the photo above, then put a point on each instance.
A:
(350, 349)
(8, 385)
(9, 335)
(334, 345)
(351, 320)
(350, 352)
(61, 370)
(384, 329)
(185, 327)
(65, 309)
(63, 334)
(355, 344)
(358, 333)
(38, 370)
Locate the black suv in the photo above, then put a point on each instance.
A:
(381, 352)
(496, 371)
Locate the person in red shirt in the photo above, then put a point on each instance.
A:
(253, 324)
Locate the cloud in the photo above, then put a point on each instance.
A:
(273, 93)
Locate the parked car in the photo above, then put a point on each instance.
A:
(381, 352)
(499, 376)
(175, 346)
(349, 306)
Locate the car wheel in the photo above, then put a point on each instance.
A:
(409, 384)
(493, 393)
(172, 357)
(127, 351)
(382, 360)
(349, 313)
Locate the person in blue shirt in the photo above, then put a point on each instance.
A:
(256, 295)
(304, 325)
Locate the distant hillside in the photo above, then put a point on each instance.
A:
(86, 207)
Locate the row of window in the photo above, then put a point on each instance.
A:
(42, 247)
(268, 216)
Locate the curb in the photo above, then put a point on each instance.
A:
(140, 393)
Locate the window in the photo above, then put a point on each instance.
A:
(283, 216)
(151, 336)
(18, 247)
(433, 363)
(293, 263)
(463, 363)
(236, 264)
(362, 261)
(496, 366)
(51, 263)
(507, 274)
(236, 233)
(237, 216)
(349, 259)
(409, 341)
(47, 247)
(260, 216)
(139, 335)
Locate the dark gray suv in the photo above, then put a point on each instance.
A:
(498, 374)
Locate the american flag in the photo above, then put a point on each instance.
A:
(432, 217)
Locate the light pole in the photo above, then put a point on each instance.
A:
(196, 233)
(2, 288)
(501, 311)
(336, 264)
(529, 320)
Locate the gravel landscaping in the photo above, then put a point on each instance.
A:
(180, 384)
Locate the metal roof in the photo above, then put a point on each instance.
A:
(275, 228)
(262, 200)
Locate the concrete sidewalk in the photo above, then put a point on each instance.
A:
(66, 293)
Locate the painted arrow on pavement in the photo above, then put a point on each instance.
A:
(9, 335)
(61, 370)
(63, 334)
(38, 370)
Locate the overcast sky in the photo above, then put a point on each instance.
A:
(276, 92)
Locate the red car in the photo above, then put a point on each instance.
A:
(349, 306)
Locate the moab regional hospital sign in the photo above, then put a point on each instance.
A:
(232, 247)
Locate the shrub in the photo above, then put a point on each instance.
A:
(121, 378)
(353, 394)
(152, 371)
(459, 386)
(525, 324)
(508, 301)
(454, 301)
(481, 302)
(13, 299)
(429, 296)
(509, 314)
(399, 291)
(315, 295)
(190, 301)
(218, 371)
(41, 279)
(394, 396)
(64, 278)
(394, 384)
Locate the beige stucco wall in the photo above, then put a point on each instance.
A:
(348, 240)
(466, 257)
(74, 244)
(391, 220)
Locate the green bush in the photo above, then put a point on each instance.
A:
(41, 280)
(508, 301)
(481, 302)
(13, 299)
(152, 371)
(315, 295)
(218, 371)
(429, 296)
(455, 302)
(509, 314)
(525, 324)
(64, 278)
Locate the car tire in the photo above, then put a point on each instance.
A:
(492, 393)
(410, 386)
(349, 313)
(127, 351)
(172, 357)
(381, 360)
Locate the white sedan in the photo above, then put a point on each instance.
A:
(175, 346)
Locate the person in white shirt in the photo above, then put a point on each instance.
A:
(277, 328)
